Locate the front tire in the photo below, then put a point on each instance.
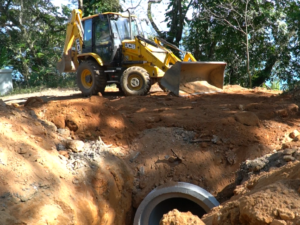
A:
(135, 81)
(90, 78)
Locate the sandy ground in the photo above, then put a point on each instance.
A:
(152, 140)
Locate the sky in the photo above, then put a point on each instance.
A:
(60, 2)
(158, 11)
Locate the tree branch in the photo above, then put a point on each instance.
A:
(150, 2)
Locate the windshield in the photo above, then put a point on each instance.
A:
(121, 25)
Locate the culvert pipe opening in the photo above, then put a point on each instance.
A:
(181, 196)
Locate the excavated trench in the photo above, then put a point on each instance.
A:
(155, 163)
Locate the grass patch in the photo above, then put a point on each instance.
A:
(66, 82)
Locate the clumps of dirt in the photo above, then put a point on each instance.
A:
(86, 119)
(38, 185)
(183, 218)
(176, 155)
(78, 154)
(267, 162)
(52, 160)
(209, 161)
(269, 198)
(234, 88)
(33, 101)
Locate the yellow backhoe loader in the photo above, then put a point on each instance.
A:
(111, 48)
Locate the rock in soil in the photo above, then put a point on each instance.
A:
(64, 132)
(278, 222)
(289, 151)
(294, 134)
(247, 118)
(288, 158)
(76, 145)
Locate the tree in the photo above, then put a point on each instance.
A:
(80, 4)
(92, 6)
(236, 15)
(175, 18)
(259, 45)
(33, 32)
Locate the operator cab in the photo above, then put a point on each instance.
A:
(104, 33)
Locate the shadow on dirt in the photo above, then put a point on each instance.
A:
(153, 125)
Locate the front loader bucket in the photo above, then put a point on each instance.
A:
(192, 78)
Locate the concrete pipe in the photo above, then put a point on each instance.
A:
(181, 196)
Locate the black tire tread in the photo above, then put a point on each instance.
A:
(99, 78)
(147, 81)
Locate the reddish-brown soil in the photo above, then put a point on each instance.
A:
(270, 198)
(183, 218)
(155, 139)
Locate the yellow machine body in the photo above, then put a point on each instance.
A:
(182, 77)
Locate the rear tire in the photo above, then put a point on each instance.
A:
(90, 78)
(135, 81)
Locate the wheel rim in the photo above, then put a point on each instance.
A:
(135, 82)
(86, 79)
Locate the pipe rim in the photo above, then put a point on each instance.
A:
(175, 190)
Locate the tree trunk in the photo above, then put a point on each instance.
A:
(160, 34)
(265, 74)
(247, 45)
(80, 4)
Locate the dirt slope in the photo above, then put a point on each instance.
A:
(270, 198)
(39, 186)
(52, 159)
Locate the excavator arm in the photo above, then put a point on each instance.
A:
(75, 32)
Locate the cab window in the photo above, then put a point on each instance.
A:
(87, 39)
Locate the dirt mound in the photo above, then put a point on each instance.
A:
(87, 119)
(234, 88)
(270, 198)
(182, 218)
(55, 169)
(268, 162)
(196, 88)
(41, 186)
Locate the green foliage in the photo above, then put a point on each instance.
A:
(33, 32)
(23, 90)
(218, 29)
(176, 18)
(92, 7)
(291, 87)
(274, 84)
(4, 57)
